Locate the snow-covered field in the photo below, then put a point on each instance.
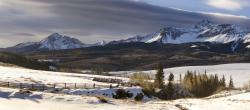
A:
(83, 99)
(22, 75)
(239, 71)
(11, 99)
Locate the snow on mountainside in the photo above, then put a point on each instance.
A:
(21, 45)
(54, 42)
(58, 42)
(101, 43)
(204, 31)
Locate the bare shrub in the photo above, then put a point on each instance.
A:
(247, 86)
(122, 94)
(139, 97)
(145, 81)
(102, 99)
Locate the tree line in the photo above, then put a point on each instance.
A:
(192, 84)
(202, 85)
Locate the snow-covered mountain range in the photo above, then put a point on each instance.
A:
(204, 31)
(55, 42)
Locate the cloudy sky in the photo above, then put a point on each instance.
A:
(96, 20)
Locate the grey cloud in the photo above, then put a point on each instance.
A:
(93, 20)
(23, 34)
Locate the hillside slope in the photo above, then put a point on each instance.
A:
(49, 101)
(143, 56)
(19, 60)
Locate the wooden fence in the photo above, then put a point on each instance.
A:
(55, 86)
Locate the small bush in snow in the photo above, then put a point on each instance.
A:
(122, 94)
(23, 91)
(178, 91)
(144, 80)
(247, 86)
(102, 99)
(140, 78)
(148, 92)
(139, 97)
(180, 107)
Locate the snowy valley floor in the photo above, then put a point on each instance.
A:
(11, 99)
(239, 71)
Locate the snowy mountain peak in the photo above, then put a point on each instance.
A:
(55, 35)
(204, 22)
(58, 42)
(204, 31)
(101, 43)
(54, 41)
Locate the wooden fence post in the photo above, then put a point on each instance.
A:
(75, 85)
(54, 85)
(32, 86)
(20, 85)
(65, 85)
(118, 84)
(43, 87)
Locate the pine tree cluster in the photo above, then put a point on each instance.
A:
(159, 77)
(202, 85)
(168, 92)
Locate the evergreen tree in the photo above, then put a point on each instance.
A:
(170, 91)
(159, 77)
(216, 80)
(180, 79)
(171, 77)
(231, 83)
(170, 87)
(223, 81)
